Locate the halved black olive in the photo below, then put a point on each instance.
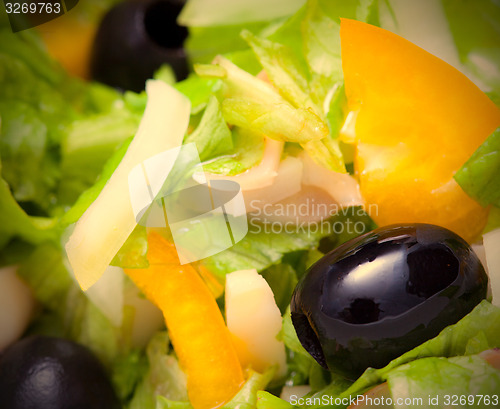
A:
(134, 39)
(383, 293)
(41, 372)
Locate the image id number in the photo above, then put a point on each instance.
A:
(463, 400)
(33, 8)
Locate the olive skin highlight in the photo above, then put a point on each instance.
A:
(381, 294)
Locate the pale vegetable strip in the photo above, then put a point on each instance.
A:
(110, 220)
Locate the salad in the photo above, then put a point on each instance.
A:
(310, 218)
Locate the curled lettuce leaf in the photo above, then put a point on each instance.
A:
(476, 332)
(16, 223)
(164, 377)
(469, 377)
(212, 136)
(480, 175)
(246, 398)
(252, 104)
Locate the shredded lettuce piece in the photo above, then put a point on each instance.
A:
(480, 175)
(28, 154)
(259, 249)
(164, 377)
(68, 313)
(85, 150)
(204, 43)
(262, 248)
(286, 72)
(212, 136)
(282, 278)
(291, 78)
(198, 90)
(16, 222)
(476, 332)
(88, 196)
(39, 106)
(493, 220)
(247, 152)
(245, 398)
(302, 368)
(464, 376)
(278, 121)
(198, 13)
(252, 104)
(266, 400)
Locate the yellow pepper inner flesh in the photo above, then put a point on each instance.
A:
(419, 120)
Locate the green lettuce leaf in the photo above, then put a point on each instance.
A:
(266, 400)
(164, 377)
(16, 223)
(475, 29)
(282, 279)
(252, 104)
(88, 145)
(440, 378)
(212, 136)
(285, 71)
(198, 90)
(301, 366)
(204, 43)
(246, 398)
(248, 148)
(259, 249)
(476, 332)
(29, 163)
(56, 131)
(262, 247)
(68, 313)
(480, 175)
(290, 76)
(88, 196)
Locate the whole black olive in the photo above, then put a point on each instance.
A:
(383, 293)
(51, 373)
(134, 39)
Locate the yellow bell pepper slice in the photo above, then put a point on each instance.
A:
(418, 120)
(196, 327)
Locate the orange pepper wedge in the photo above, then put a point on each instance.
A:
(418, 121)
(69, 40)
(196, 327)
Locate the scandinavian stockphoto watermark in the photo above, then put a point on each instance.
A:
(204, 217)
(24, 14)
(308, 217)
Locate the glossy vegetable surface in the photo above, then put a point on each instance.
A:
(52, 373)
(196, 327)
(383, 293)
(418, 121)
(134, 39)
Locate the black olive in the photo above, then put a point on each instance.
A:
(41, 372)
(134, 39)
(383, 293)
